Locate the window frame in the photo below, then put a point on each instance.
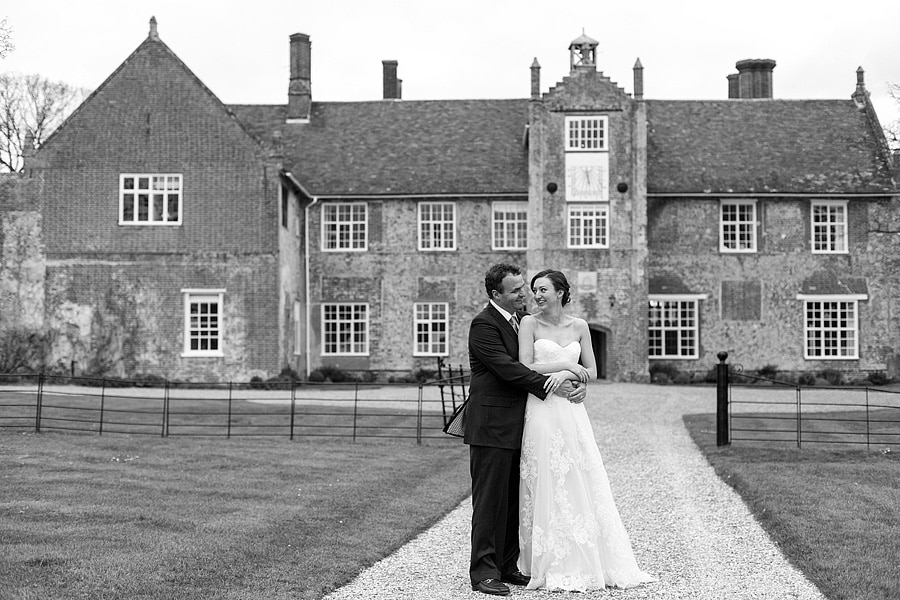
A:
(738, 224)
(436, 226)
(165, 193)
(694, 300)
(597, 207)
(832, 236)
(429, 321)
(365, 329)
(850, 299)
(603, 145)
(216, 296)
(345, 227)
(509, 207)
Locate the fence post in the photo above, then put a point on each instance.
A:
(230, 395)
(39, 403)
(102, 407)
(355, 408)
(722, 438)
(293, 407)
(867, 418)
(419, 415)
(165, 415)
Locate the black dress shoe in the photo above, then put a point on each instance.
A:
(491, 586)
(517, 578)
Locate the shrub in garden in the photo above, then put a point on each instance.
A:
(769, 371)
(333, 374)
(878, 378)
(832, 376)
(682, 378)
(662, 372)
(807, 379)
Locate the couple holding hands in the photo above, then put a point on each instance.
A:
(543, 515)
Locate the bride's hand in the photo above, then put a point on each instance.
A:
(579, 372)
(554, 380)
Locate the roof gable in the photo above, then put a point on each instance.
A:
(764, 147)
(150, 92)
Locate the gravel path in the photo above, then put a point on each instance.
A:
(688, 528)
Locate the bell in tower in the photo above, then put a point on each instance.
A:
(583, 52)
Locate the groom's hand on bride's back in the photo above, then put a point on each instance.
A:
(573, 391)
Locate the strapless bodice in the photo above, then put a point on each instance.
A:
(548, 351)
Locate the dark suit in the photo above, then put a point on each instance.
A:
(495, 419)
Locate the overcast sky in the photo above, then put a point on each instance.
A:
(470, 48)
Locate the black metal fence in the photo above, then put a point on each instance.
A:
(354, 410)
(751, 408)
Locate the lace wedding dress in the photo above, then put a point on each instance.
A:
(570, 534)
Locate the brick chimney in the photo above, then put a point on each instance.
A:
(734, 90)
(299, 89)
(753, 80)
(392, 85)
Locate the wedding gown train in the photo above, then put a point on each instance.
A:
(570, 534)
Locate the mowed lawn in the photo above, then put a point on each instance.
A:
(87, 516)
(834, 510)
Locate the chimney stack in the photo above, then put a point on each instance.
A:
(299, 89)
(392, 85)
(535, 80)
(638, 80)
(734, 90)
(753, 79)
(860, 95)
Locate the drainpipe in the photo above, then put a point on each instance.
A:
(315, 199)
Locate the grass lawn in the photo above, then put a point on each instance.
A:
(834, 511)
(84, 516)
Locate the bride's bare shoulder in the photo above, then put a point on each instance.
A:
(578, 322)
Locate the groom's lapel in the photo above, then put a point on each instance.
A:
(506, 328)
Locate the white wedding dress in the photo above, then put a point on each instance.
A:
(570, 534)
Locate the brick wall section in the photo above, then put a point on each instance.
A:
(114, 291)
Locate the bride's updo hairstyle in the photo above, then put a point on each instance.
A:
(559, 283)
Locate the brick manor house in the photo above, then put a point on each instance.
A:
(159, 231)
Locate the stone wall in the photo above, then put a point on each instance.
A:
(21, 255)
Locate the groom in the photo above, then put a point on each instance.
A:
(495, 419)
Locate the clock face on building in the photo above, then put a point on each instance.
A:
(587, 177)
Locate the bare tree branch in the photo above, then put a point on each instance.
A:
(892, 129)
(31, 108)
(6, 44)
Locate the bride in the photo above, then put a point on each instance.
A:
(570, 534)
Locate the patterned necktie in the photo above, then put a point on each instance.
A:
(514, 321)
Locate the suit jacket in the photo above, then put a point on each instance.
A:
(499, 385)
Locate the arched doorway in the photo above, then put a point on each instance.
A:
(599, 342)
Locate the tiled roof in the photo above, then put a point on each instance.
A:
(763, 146)
(401, 147)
